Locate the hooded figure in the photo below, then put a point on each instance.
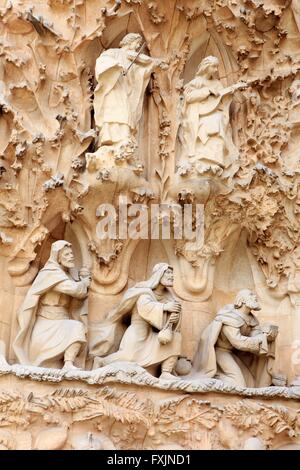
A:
(234, 348)
(46, 332)
(153, 337)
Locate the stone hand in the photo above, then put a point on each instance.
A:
(233, 88)
(86, 276)
(131, 55)
(172, 307)
(261, 338)
(174, 317)
(239, 86)
(134, 56)
(209, 92)
(162, 64)
(271, 332)
(87, 281)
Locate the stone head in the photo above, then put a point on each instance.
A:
(66, 257)
(132, 42)
(167, 279)
(209, 67)
(247, 298)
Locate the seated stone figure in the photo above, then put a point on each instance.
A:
(153, 337)
(235, 348)
(46, 331)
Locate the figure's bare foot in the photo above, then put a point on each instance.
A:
(168, 376)
(98, 362)
(281, 380)
(70, 366)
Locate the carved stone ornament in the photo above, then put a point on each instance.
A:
(149, 224)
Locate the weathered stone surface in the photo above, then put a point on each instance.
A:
(64, 152)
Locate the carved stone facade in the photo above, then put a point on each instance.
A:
(72, 415)
(123, 105)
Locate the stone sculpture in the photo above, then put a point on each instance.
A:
(122, 75)
(239, 159)
(235, 348)
(153, 337)
(46, 331)
(205, 133)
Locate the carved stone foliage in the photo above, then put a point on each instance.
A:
(47, 84)
(55, 176)
(108, 418)
(45, 110)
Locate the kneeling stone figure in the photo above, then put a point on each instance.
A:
(153, 337)
(235, 348)
(47, 333)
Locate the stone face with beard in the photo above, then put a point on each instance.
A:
(235, 348)
(249, 298)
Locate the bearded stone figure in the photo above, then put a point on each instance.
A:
(235, 348)
(153, 337)
(46, 331)
(122, 75)
(205, 133)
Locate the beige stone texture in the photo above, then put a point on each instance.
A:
(89, 115)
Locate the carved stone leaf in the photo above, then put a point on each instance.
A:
(11, 403)
(243, 414)
(68, 400)
(12, 409)
(266, 419)
(123, 407)
(281, 420)
(183, 414)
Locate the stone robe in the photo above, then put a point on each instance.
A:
(205, 133)
(45, 327)
(118, 99)
(234, 349)
(140, 342)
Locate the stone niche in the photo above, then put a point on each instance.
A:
(203, 110)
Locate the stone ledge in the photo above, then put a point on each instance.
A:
(132, 374)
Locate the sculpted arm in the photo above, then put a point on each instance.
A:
(145, 60)
(268, 332)
(257, 330)
(77, 289)
(151, 311)
(193, 95)
(240, 342)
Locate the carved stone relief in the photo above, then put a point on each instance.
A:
(109, 109)
(110, 418)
